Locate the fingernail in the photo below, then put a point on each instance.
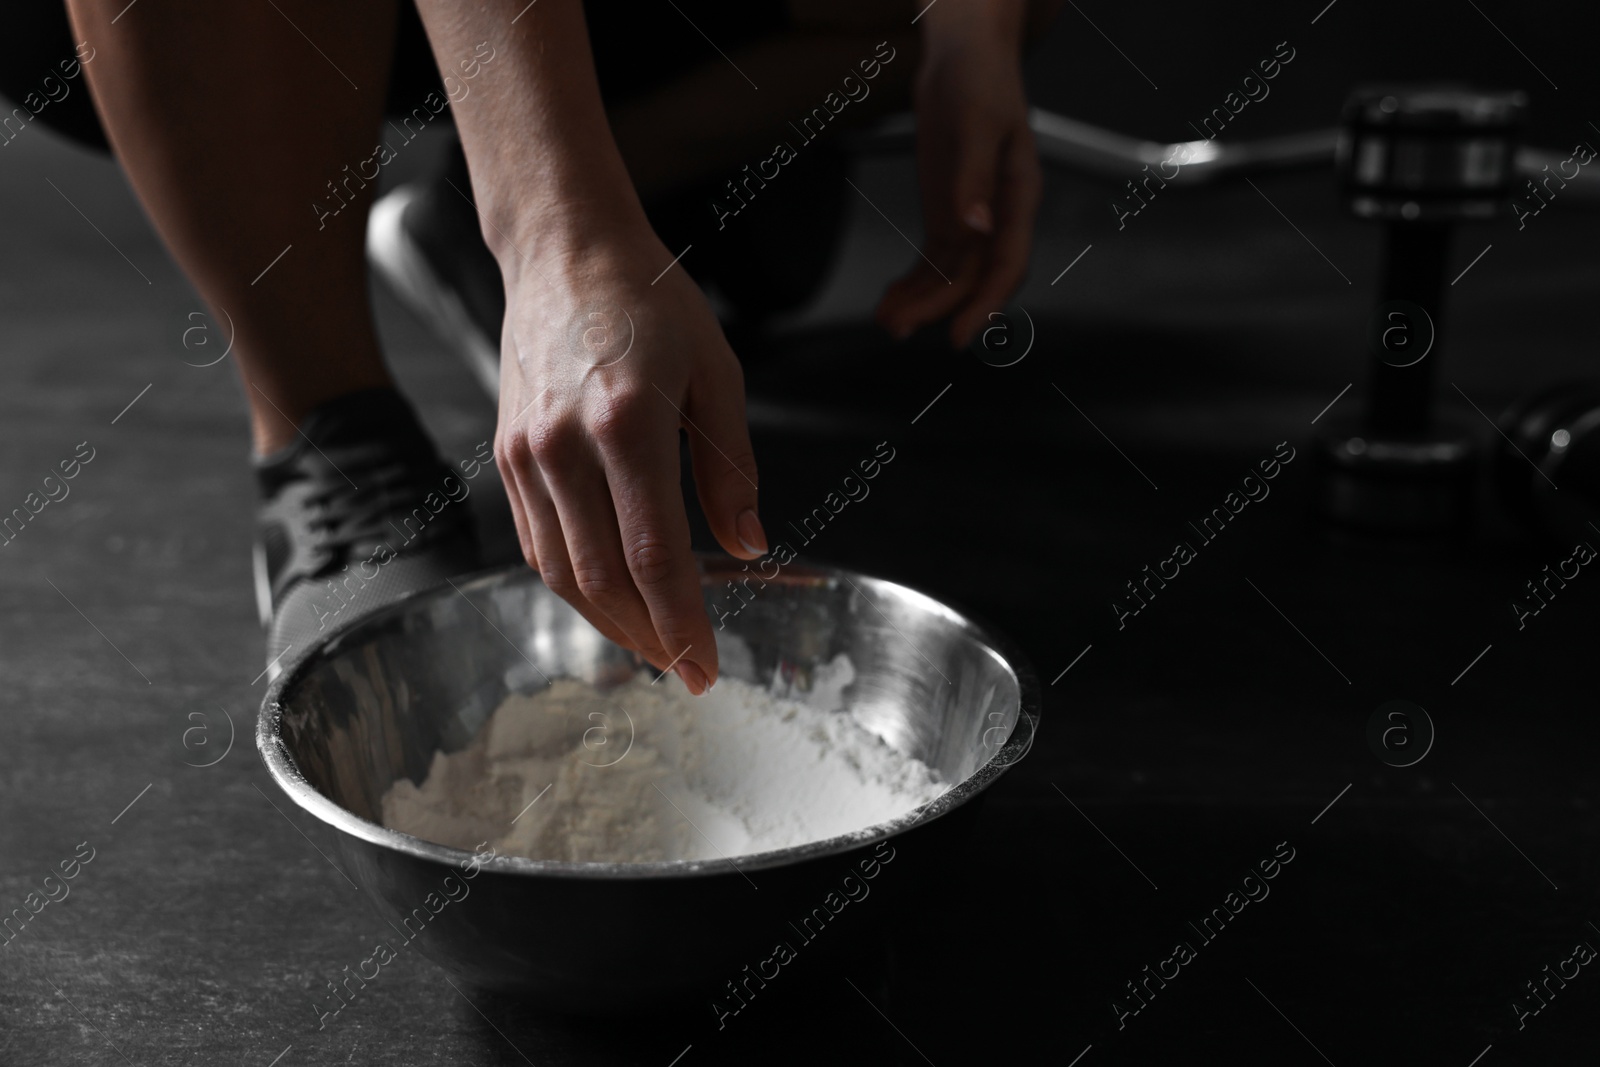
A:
(978, 218)
(751, 536)
(693, 677)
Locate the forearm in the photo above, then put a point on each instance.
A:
(545, 169)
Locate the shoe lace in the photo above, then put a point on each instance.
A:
(358, 504)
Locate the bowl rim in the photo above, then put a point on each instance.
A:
(286, 773)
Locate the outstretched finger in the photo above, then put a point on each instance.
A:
(724, 461)
(593, 545)
(642, 471)
(555, 568)
(1007, 262)
(933, 288)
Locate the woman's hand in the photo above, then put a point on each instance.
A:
(599, 369)
(978, 168)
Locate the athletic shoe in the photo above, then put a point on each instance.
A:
(357, 513)
(424, 241)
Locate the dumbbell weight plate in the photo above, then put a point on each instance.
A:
(1398, 487)
(1547, 466)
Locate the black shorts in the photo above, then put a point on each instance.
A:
(636, 47)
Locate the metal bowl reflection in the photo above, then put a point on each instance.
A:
(373, 702)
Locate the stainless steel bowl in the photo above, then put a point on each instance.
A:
(373, 702)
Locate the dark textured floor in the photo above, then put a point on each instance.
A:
(1174, 755)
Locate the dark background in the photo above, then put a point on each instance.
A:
(1196, 739)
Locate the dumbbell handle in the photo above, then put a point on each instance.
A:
(1399, 399)
(1093, 150)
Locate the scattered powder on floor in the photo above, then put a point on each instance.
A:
(554, 775)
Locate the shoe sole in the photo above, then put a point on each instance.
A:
(263, 583)
(403, 266)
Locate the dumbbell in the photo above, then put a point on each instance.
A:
(1418, 160)
(1547, 465)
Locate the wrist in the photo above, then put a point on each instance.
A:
(575, 247)
(566, 235)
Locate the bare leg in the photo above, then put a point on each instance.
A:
(230, 120)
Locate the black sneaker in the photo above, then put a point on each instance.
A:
(356, 514)
(424, 240)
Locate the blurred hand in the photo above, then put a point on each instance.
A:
(978, 168)
(599, 368)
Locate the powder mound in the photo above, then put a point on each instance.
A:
(644, 772)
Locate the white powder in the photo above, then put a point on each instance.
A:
(644, 772)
